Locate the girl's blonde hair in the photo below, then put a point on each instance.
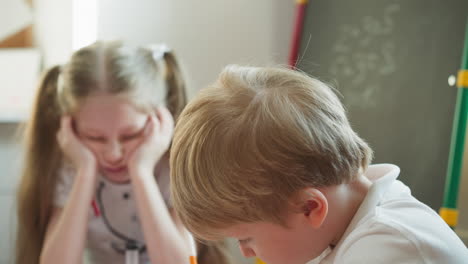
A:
(148, 77)
(246, 144)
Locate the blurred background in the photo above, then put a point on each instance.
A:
(394, 62)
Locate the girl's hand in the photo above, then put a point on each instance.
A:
(74, 149)
(155, 142)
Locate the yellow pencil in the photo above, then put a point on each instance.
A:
(193, 249)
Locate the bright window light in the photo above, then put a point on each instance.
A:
(85, 17)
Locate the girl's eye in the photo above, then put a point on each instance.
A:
(130, 137)
(96, 139)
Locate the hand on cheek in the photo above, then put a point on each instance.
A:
(73, 148)
(154, 143)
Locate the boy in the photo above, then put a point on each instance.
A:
(267, 156)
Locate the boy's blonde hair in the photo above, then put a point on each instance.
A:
(247, 143)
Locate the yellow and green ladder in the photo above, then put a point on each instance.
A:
(449, 211)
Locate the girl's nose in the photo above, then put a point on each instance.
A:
(113, 153)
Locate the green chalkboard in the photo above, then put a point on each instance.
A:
(391, 60)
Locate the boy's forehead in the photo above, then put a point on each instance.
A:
(245, 230)
(237, 230)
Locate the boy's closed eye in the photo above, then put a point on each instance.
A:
(244, 241)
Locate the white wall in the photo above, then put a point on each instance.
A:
(206, 35)
(53, 30)
(10, 158)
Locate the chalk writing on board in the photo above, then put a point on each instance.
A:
(363, 54)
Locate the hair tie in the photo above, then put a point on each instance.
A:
(159, 51)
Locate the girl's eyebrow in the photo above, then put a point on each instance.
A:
(132, 129)
(87, 130)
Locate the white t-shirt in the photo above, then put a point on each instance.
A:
(391, 226)
(117, 221)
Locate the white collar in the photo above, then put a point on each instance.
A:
(381, 175)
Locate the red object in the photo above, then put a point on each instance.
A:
(297, 32)
(97, 213)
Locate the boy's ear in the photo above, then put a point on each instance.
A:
(314, 206)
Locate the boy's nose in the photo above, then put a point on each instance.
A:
(247, 251)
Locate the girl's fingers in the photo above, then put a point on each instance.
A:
(167, 121)
(156, 123)
(66, 132)
(66, 124)
(64, 120)
(150, 126)
(63, 128)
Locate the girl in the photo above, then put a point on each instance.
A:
(96, 172)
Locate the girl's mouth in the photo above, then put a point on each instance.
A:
(115, 170)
